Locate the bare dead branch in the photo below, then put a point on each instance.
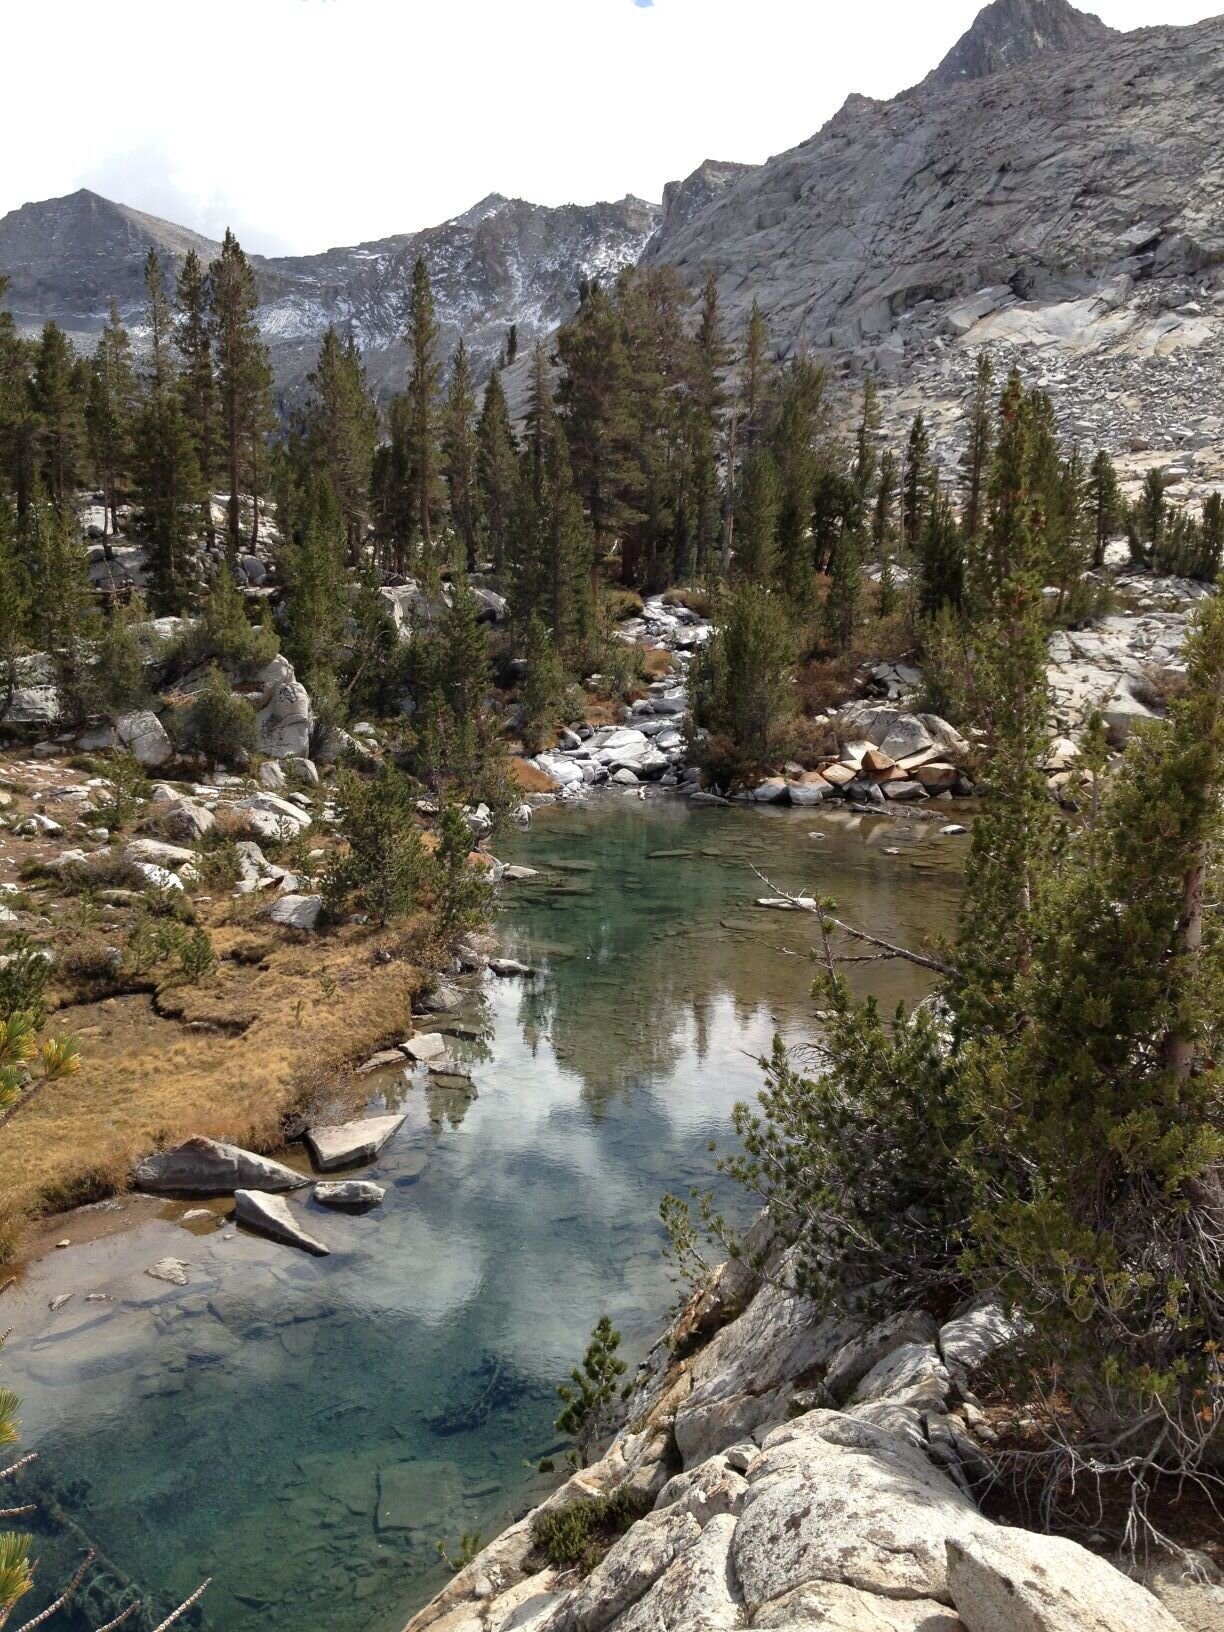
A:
(804, 903)
(64, 1596)
(119, 1619)
(16, 1467)
(182, 1608)
(16, 1512)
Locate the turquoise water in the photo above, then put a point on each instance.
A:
(304, 1430)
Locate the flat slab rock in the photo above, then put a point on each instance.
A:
(346, 1143)
(270, 1216)
(508, 967)
(210, 1167)
(426, 1045)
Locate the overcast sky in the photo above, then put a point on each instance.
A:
(309, 123)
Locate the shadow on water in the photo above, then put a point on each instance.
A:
(305, 1429)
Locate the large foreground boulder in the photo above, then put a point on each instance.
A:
(1004, 1580)
(270, 1216)
(209, 1167)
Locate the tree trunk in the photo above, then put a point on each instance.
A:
(729, 501)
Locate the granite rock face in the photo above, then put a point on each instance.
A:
(957, 191)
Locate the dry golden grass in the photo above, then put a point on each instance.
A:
(230, 1057)
(656, 662)
(529, 779)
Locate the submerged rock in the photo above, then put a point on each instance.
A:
(270, 1215)
(173, 1270)
(353, 1193)
(210, 1167)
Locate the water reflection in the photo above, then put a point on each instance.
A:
(306, 1429)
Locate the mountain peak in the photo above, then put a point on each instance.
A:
(1007, 33)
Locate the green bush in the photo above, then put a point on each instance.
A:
(385, 861)
(578, 1535)
(220, 724)
(24, 977)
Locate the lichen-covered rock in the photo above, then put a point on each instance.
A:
(633, 1565)
(833, 1499)
(144, 736)
(283, 725)
(837, 1608)
(969, 1338)
(297, 911)
(866, 1349)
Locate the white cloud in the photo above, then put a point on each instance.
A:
(307, 123)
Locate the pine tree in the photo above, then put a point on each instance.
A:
(940, 559)
(742, 691)
(496, 464)
(57, 394)
(316, 603)
(757, 517)
(756, 342)
(460, 455)
(882, 532)
(594, 400)
(243, 377)
(711, 424)
(341, 432)
(54, 590)
(423, 461)
(463, 896)
(385, 861)
(465, 669)
(865, 472)
(981, 435)
(916, 485)
(194, 340)
(1099, 1165)
(543, 687)
(108, 414)
(799, 419)
(167, 478)
(13, 608)
(589, 1397)
(1105, 502)
(1013, 840)
(18, 421)
(843, 600)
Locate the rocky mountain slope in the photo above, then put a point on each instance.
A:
(1048, 190)
(1077, 175)
(504, 261)
(1010, 32)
